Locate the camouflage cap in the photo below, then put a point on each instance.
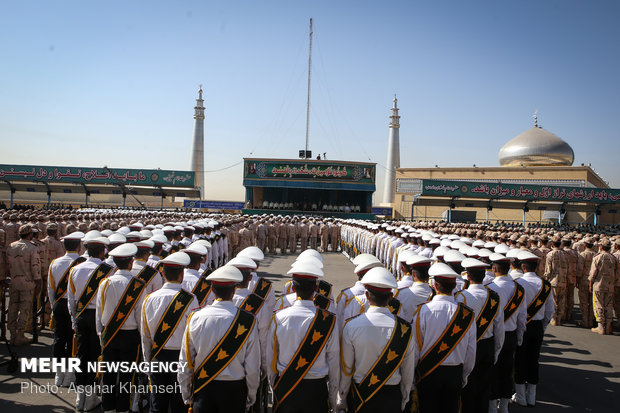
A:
(25, 229)
(605, 242)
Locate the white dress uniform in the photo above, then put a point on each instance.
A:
(532, 284)
(363, 340)
(57, 269)
(78, 278)
(286, 332)
(285, 301)
(153, 309)
(343, 300)
(475, 297)
(109, 294)
(270, 299)
(204, 330)
(433, 317)
(153, 260)
(405, 281)
(504, 286)
(153, 285)
(190, 278)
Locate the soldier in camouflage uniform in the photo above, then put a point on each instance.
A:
(583, 271)
(556, 267)
(25, 269)
(571, 278)
(617, 287)
(603, 279)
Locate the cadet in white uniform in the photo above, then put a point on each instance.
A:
(81, 302)
(197, 254)
(378, 352)
(118, 326)
(57, 284)
(348, 295)
(490, 337)
(308, 382)
(141, 260)
(540, 308)
(512, 302)
(164, 317)
(419, 291)
(441, 326)
(227, 381)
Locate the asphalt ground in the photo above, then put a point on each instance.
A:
(580, 370)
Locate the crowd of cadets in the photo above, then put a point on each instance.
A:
(442, 317)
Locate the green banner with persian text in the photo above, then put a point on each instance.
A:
(309, 170)
(88, 175)
(467, 189)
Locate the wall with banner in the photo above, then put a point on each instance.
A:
(500, 191)
(89, 175)
(308, 170)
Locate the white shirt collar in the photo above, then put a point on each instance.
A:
(476, 287)
(375, 309)
(448, 298)
(172, 286)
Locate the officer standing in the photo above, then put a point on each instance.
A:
(164, 318)
(377, 353)
(556, 272)
(57, 284)
(443, 326)
(512, 302)
(539, 300)
(583, 271)
(603, 278)
(119, 300)
(302, 350)
(221, 349)
(84, 282)
(25, 269)
(489, 335)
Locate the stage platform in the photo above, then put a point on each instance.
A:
(323, 214)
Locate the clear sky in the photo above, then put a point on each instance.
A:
(93, 83)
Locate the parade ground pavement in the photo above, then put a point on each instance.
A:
(580, 370)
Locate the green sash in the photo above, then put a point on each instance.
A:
(87, 295)
(225, 351)
(449, 339)
(61, 288)
(202, 289)
(252, 304)
(170, 320)
(262, 288)
(321, 301)
(539, 301)
(311, 346)
(123, 309)
(325, 288)
(384, 367)
(515, 301)
(487, 314)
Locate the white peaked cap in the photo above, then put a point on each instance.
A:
(124, 250)
(243, 262)
(473, 263)
(441, 270)
(357, 260)
(196, 249)
(306, 270)
(226, 275)
(380, 278)
(253, 252)
(366, 265)
(309, 259)
(177, 258)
